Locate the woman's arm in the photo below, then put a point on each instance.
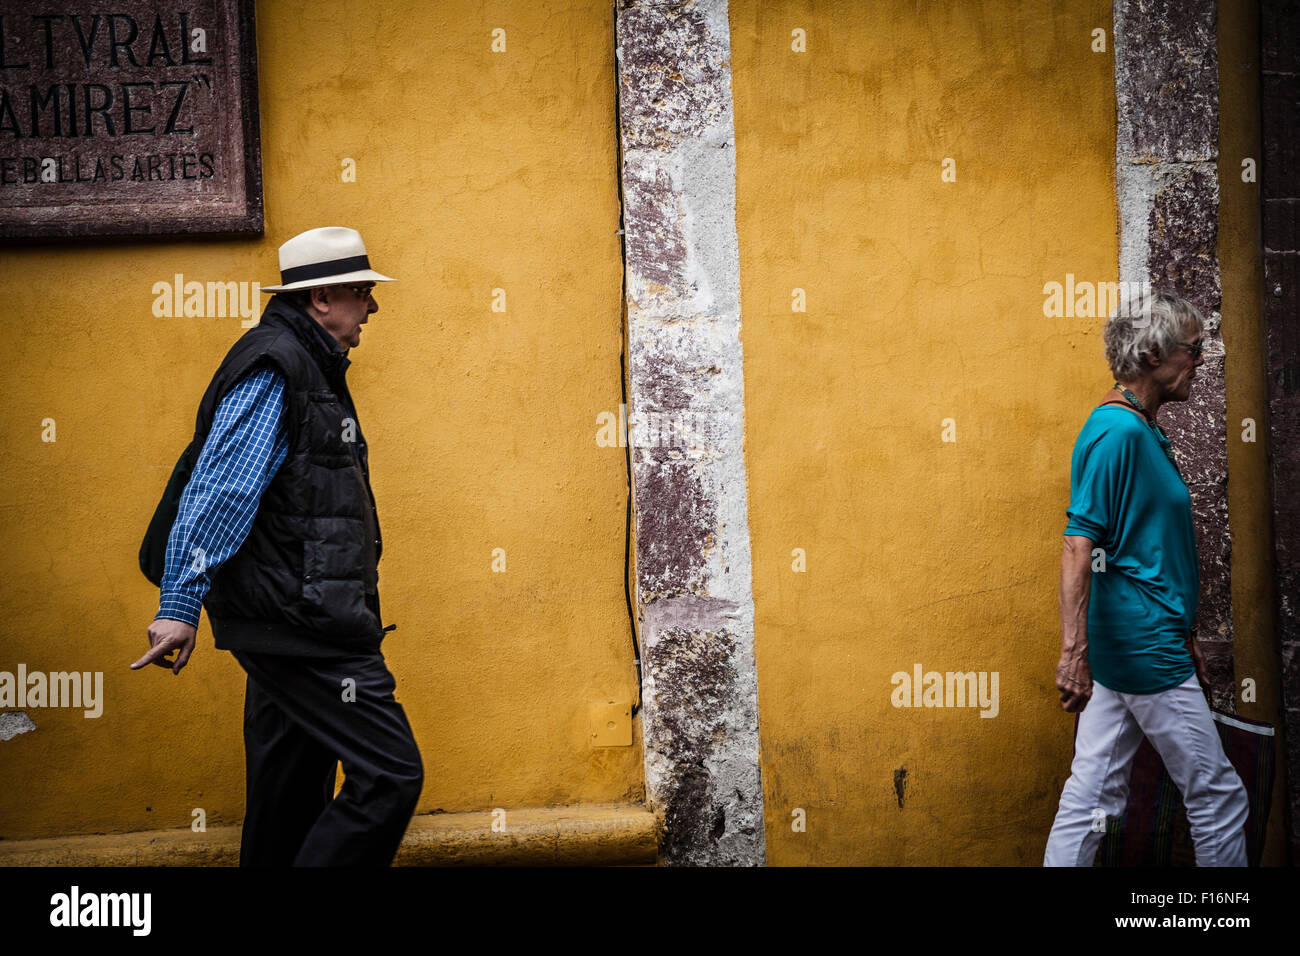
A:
(1073, 679)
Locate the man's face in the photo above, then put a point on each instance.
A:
(1176, 370)
(343, 309)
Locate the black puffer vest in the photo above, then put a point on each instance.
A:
(305, 580)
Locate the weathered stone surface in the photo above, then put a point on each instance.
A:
(1183, 232)
(15, 722)
(1166, 90)
(1167, 80)
(686, 418)
(676, 520)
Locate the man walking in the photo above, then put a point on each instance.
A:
(278, 536)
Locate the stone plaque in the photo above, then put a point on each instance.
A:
(130, 117)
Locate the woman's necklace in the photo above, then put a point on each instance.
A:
(1165, 443)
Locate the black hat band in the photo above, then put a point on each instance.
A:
(317, 270)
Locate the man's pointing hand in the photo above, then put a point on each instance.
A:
(165, 636)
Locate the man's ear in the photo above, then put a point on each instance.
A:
(319, 297)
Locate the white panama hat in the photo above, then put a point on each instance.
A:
(324, 256)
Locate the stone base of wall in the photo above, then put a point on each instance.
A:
(588, 835)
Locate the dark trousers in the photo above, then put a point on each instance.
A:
(300, 721)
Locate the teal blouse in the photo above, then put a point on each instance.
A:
(1128, 498)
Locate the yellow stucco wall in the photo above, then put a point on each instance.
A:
(475, 171)
(479, 171)
(925, 303)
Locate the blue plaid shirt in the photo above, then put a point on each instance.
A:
(245, 447)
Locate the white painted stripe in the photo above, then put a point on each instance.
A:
(1233, 722)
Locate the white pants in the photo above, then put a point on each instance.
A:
(1180, 728)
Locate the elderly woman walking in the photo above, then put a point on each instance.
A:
(1128, 660)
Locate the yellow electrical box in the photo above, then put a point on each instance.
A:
(611, 724)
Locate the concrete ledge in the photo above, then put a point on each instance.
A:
(584, 835)
(219, 846)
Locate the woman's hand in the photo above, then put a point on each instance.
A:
(1199, 659)
(1074, 680)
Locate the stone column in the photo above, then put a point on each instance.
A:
(686, 430)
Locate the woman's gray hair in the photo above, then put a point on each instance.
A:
(1151, 322)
